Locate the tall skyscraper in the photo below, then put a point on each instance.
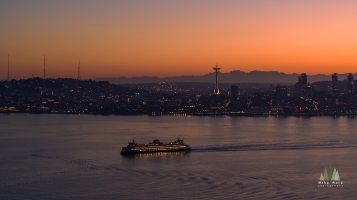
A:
(303, 79)
(355, 88)
(350, 86)
(281, 92)
(234, 93)
(334, 86)
(301, 85)
(216, 90)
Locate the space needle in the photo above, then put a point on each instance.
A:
(216, 90)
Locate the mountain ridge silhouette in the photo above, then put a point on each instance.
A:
(235, 76)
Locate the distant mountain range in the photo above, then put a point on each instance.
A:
(230, 77)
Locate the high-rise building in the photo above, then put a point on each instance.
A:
(313, 89)
(334, 86)
(301, 85)
(281, 92)
(350, 86)
(234, 93)
(303, 79)
(355, 88)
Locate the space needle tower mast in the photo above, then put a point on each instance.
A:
(216, 90)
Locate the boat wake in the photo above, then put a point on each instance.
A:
(276, 146)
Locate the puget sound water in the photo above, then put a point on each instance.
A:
(78, 157)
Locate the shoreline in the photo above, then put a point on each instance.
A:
(187, 114)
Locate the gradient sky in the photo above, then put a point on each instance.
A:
(166, 38)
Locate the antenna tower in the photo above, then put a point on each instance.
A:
(79, 70)
(44, 66)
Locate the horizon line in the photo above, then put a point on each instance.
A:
(294, 73)
(162, 77)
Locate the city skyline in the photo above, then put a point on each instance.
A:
(160, 38)
(41, 95)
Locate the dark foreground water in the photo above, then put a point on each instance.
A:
(78, 157)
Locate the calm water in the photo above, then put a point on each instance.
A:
(78, 157)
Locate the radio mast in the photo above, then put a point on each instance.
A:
(8, 67)
(79, 69)
(44, 66)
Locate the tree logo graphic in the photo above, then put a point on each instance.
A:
(330, 178)
(330, 174)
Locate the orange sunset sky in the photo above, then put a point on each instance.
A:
(170, 38)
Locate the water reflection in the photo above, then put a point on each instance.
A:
(157, 155)
(351, 116)
(232, 158)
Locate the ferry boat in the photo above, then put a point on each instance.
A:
(154, 147)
